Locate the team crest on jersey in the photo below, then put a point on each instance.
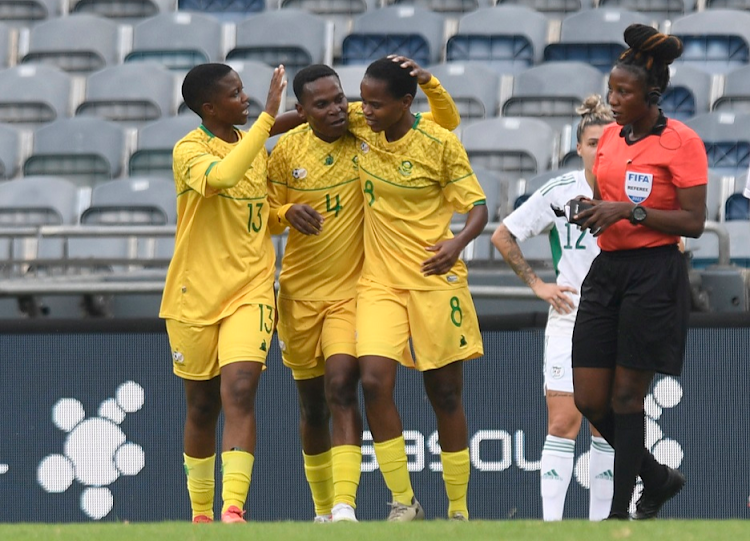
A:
(406, 168)
(638, 185)
(299, 173)
(177, 357)
(364, 147)
(557, 372)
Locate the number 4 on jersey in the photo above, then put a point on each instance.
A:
(335, 207)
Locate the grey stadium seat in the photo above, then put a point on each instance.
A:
(122, 10)
(76, 43)
(10, 148)
(85, 150)
(230, 10)
(153, 154)
(6, 35)
(131, 93)
(34, 94)
(411, 31)
(727, 140)
(518, 148)
(178, 41)
(450, 7)
(736, 95)
(688, 93)
(507, 39)
(715, 40)
(656, 10)
(552, 91)
(28, 12)
(593, 36)
(728, 4)
(350, 77)
(555, 9)
(291, 37)
(474, 88)
(36, 201)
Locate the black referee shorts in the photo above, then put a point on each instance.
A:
(634, 311)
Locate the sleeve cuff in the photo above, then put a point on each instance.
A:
(281, 214)
(432, 84)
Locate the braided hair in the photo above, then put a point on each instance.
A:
(650, 54)
(594, 112)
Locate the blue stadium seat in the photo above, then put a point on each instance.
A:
(34, 94)
(29, 12)
(122, 10)
(727, 140)
(714, 40)
(728, 4)
(507, 39)
(688, 93)
(411, 31)
(233, 10)
(593, 36)
(76, 43)
(737, 207)
(736, 95)
(178, 41)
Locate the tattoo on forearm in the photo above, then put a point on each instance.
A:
(519, 265)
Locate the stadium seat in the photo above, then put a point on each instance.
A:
(411, 31)
(552, 91)
(28, 12)
(153, 154)
(10, 151)
(178, 41)
(739, 247)
(736, 95)
(448, 7)
(131, 201)
(554, 9)
(727, 140)
(534, 183)
(231, 10)
(481, 247)
(474, 88)
(656, 10)
(715, 189)
(76, 43)
(518, 148)
(728, 4)
(130, 93)
(714, 40)
(122, 10)
(593, 36)
(6, 44)
(737, 207)
(350, 77)
(85, 150)
(34, 94)
(688, 93)
(507, 39)
(36, 201)
(291, 37)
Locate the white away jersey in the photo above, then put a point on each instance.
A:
(573, 250)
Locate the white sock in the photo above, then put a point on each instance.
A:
(601, 478)
(557, 469)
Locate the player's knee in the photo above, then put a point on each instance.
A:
(341, 390)
(239, 393)
(590, 409)
(626, 401)
(374, 389)
(446, 398)
(564, 427)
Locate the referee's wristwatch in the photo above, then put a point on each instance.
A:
(637, 215)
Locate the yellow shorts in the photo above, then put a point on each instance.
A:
(312, 331)
(442, 325)
(199, 351)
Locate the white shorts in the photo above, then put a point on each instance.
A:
(558, 371)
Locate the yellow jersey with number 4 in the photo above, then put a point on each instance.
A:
(223, 254)
(411, 188)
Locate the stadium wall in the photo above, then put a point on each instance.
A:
(91, 428)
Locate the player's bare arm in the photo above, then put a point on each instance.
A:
(554, 294)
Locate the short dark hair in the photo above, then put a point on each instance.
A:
(400, 82)
(199, 84)
(650, 54)
(311, 74)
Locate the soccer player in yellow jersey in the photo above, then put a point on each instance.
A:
(414, 176)
(313, 178)
(218, 298)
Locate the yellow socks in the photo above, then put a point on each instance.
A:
(456, 467)
(347, 468)
(391, 456)
(320, 478)
(200, 484)
(237, 470)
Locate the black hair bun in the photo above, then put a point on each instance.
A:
(645, 39)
